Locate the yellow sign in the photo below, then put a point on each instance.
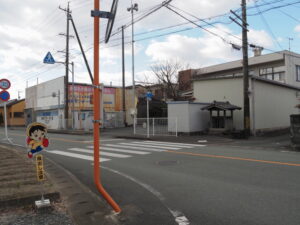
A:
(40, 167)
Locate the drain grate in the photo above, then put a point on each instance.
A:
(167, 162)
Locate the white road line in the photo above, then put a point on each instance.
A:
(202, 141)
(74, 155)
(147, 145)
(174, 143)
(121, 150)
(102, 153)
(178, 216)
(135, 147)
(103, 140)
(164, 144)
(116, 139)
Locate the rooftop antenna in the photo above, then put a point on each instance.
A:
(290, 39)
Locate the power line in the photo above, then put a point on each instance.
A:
(288, 15)
(201, 27)
(267, 25)
(208, 23)
(274, 7)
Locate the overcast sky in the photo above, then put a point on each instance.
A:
(30, 28)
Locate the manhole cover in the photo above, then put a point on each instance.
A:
(167, 162)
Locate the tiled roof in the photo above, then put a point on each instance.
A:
(221, 106)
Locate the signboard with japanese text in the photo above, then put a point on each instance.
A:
(40, 167)
(109, 95)
(83, 96)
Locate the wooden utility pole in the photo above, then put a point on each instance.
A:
(245, 71)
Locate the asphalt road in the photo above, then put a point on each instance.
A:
(168, 183)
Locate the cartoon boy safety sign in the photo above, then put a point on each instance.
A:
(36, 138)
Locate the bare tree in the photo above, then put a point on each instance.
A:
(166, 75)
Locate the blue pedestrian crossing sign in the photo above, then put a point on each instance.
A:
(149, 96)
(49, 59)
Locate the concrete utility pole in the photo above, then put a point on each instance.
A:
(67, 66)
(73, 98)
(245, 71)
(134, 7)
(123, 77)
(244, 25)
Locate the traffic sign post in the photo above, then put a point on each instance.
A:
(4, 97)
(149, 96)
(49, 59)
(4, 84)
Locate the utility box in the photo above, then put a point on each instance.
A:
(190, 117)
(295, 131)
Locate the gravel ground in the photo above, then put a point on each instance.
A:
(55, 215)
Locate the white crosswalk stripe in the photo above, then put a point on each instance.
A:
(123, 150)
(176, 144)
(147, 145)
(83, 150)
(120, 150)
(154, 144)
(74, 155)
(135, 147)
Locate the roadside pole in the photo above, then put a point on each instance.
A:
(5, 121)
(96, 13)
(149, 96)
(59, 120)
(73, 98)
(148, 130)
(123, 78)
(41, 178)
(5, 125)
(4, 97)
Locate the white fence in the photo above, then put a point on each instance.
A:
(157, 126)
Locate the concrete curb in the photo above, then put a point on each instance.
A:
(84, 206)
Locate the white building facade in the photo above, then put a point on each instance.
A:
(274, 89)
(45, 103)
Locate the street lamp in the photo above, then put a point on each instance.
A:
(54, 95)
(134, 7)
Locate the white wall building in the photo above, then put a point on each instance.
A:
(274, 88)
(189, 117)
(45, 103)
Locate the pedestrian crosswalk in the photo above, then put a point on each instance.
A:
(123, 150)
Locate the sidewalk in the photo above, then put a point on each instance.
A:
(275, 141)
(70, 200)
(270, 141)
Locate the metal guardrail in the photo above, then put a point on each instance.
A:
(156, 126)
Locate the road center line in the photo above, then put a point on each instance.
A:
(233, 158)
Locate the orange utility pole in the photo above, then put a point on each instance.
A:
(96, 85)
